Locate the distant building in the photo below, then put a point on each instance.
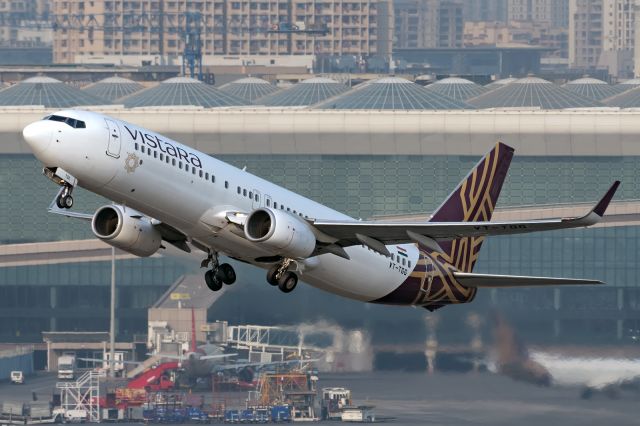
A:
(416, 22)
(483, 33)
(25, 24)
(428, 23)
(485, 10)
(150, 28)
(602, 35)
(554, 13)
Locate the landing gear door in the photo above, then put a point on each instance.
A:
(113, 149)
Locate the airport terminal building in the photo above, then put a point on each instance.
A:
(367, 152)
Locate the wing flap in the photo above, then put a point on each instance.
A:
(504, 281)
(405, 232)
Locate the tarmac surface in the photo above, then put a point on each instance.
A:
(444, 399)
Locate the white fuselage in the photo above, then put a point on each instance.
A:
(193, 192)
(590, 372)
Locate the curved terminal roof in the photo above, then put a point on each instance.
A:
(113, 88)
(306, 93)
(531, 92)
(183, 91)
(48, 92)
(632, 82)
(627, 99)
(249, 88)
(499, 83)
(593, 88)
(457, 88)
(392, 93)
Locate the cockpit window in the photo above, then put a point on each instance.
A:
(76, 124)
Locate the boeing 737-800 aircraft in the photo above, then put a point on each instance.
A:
(167, 193)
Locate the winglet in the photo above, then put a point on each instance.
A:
(602, 205)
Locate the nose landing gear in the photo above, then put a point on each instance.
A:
(218, 274)
(64, 200)
(278, 275)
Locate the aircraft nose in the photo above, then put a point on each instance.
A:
(37, 135)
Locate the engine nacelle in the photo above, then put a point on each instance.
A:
(116, 226)
(284, 234)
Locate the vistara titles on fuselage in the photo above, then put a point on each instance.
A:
(164, 192)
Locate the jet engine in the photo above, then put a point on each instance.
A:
(126, 229)
(283, 233)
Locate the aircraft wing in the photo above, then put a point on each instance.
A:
(501, 281)
(237, 366)
(107, 361)
(376, 234)
(186, 358)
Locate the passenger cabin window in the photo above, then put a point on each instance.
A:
(206, 175)
(257, 198)
(76, 124)
(268, 202)
(244, 192)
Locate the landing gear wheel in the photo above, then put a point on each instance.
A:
(226, 274)
(287, 282)
(272, 273)
(64, 202)
(67, 201)
(213, 281)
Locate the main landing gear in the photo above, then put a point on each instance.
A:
(218, 274)
(278, 275)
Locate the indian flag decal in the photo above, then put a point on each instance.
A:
(402, 251)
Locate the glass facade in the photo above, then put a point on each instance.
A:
(75, 297)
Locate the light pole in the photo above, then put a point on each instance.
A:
(112, 319)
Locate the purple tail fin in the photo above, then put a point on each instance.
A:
(474, 200)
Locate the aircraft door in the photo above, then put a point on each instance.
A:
(113, 149)
(257, 199)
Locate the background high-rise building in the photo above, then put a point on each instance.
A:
(152, 27)
(428, 23)
(485, 10)
(530, 10)
(602, 35)
(25, 23)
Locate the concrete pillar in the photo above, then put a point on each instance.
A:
(620, 321)
(557, 300)
(53, 297)
(494, 297)
(557, 305)
(53, 324)
(620, 293)
(619, 329)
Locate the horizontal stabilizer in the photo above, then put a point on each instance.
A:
(503, 281)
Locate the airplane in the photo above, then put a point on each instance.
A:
(164, 192)
(607, 375)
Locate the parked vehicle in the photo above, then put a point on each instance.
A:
(67, 367)
(17, 377)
